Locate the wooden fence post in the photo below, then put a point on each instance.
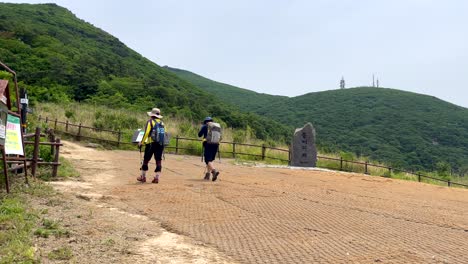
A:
(56, 158)
(66, 126)
(39, 119)
(449, 183)
(46, 119)
(289, 155)
(79, 133)
(177, 145)
(419, 177)
(390, 172)
(341, 163)
(52, 140)
(37, 138)
(5, 170)
(118, 138)
(55, 124)
(365, 170)
(234, 150)
(263, 151)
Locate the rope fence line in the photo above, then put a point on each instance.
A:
(176, 149)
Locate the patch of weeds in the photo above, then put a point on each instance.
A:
(39, 189)
(54, 202)
(50, 227)
(66, 169)
(108, 242)
(387, 174)
(41, 232)
(62, 253)
(16, 223)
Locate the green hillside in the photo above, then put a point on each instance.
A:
(404, 129)
(59, 57)
(245, 99)
(401, 128)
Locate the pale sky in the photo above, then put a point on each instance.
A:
(297, 46)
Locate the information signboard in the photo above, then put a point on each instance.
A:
(13, 140)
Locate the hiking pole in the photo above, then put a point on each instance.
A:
(202, 152)
(141, 160)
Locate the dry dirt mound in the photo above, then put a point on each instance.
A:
(260, 215)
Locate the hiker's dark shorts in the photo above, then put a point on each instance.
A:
(153, 149)
(210, 152)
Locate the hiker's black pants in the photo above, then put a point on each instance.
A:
(210, 152)
(156, 150)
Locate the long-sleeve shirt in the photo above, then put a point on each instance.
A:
(149, 126)
(203, 131)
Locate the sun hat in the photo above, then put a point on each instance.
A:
(207, 119)
(155, 112)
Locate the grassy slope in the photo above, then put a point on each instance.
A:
(245, 99)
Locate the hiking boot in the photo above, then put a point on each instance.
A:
(207, 176)
(141, 178)
(215, 175)
(156, 179)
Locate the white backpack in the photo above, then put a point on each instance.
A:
(214, 133)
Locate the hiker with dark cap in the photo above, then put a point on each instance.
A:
(211, 133)
(153, 140)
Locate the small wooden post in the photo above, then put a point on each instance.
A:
(66, 126)
(55, 124)
(341, 163)
(366, 171)
(263, 151)
(56, 158)
(5, 170)
(177, 145)
(46, 119)
(419, 177)
(52, 140)
(118, 138)
(234, 150)
(449, 183)
(37, 138)
(289, 155)
(79, 133)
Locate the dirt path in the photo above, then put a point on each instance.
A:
(259, 215)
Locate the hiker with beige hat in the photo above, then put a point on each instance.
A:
(153, 140)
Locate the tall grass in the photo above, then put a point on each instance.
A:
(18, 221)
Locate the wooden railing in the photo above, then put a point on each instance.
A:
(23, 163)
(234, 153)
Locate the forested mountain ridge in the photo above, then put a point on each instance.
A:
(59, 57)
(403, 129)
(245, 99)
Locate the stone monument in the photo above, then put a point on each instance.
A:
(304, 152)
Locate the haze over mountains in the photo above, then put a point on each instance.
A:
(59, 57)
